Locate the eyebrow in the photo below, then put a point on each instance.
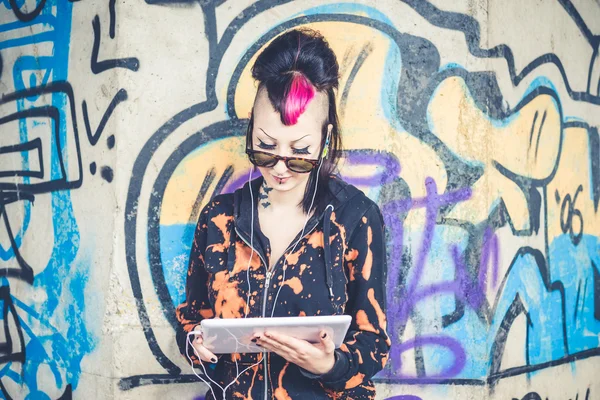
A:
(293, 141)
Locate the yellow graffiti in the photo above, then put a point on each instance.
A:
(526, 144)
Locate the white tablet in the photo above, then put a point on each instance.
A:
(234, 335)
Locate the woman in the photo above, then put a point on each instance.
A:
(297, 241)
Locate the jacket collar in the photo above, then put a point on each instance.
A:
(246, 206)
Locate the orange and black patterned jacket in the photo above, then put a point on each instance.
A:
(343, 274)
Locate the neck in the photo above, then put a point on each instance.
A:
(275, 200)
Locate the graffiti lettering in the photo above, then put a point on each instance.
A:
(566, 221)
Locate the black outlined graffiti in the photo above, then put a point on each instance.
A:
(470, 27)
(40, 144)
(64, 182)
(107, 173)
(113, 18)
(11, 349)
(27, 16)
(419, 77)
(97, 67)
(536, 396)
(208, 180)
(120, 97)
(36, 145)
(531, 396)
(13, 191)
(360, 60)
(568, 214)
(130, 63)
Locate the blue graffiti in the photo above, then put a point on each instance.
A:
(55, 330)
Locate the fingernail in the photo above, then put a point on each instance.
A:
(214, 360)
(254, 340)
(258, 344)
(324, 335)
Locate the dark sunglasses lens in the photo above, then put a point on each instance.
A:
(299, 166)
(263, 159)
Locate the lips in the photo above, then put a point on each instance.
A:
(282, 180)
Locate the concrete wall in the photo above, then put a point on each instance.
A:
(473, 124)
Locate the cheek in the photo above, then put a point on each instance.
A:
(264, 172)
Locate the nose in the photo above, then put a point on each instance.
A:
(280, 168)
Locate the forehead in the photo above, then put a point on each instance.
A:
(309, 123)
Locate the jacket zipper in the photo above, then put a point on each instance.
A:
(264, 305)
(269, 274)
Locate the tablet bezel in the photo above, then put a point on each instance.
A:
(233, 335)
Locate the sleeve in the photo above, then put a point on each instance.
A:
(196, 305)
(365, 349)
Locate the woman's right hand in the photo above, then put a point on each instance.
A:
(203, 352)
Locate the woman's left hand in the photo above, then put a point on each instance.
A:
(316, 358)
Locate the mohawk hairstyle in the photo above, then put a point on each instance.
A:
(295, 101)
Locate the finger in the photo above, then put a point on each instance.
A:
(274, 345)
(286, 340)
(197, 338)
(327, 342)
(204, 353)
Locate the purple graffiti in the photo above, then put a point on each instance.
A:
(389, 162)
(474, 294)
(490, 245)
(404, 397)
(405, 302)
(240, 180)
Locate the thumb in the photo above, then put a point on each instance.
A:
(327, 342)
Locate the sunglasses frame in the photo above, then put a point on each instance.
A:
(250, 152)
(286, 160)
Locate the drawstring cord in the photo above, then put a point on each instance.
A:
(327, 250)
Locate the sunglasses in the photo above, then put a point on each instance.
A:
(268, 160)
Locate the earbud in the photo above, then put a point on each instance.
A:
(326, 147)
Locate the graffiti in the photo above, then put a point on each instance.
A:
(566, 222)
(97, 67)
(26, 16)
(45, 336)
(477, 252)
(404, 397)
(94, 137)
(14, 191)
(536, 396)
(105, 65)
(481, 149)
